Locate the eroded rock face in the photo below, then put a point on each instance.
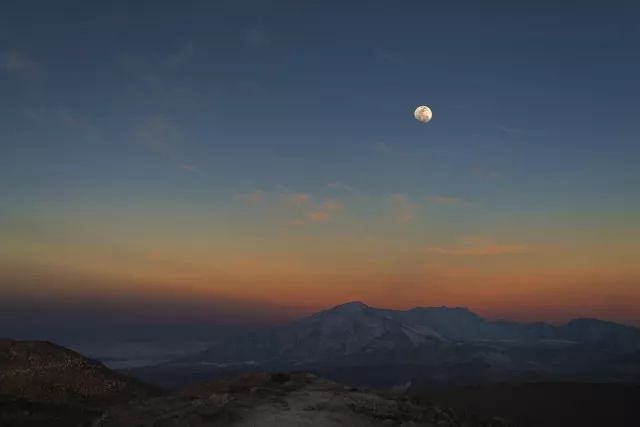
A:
(45, 372)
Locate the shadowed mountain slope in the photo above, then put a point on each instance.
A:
(43, 384)
(45, 372)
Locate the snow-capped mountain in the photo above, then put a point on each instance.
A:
(441, 343)
(345, 333)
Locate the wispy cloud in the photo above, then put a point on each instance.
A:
(299, 200)
(381, 147)
(326, 211)
(336, 185)
(75, 122)
(253, 197)
(155, 78)
(448, 200)
(474, 246)
(16, 62)
(181, 56)
(487, 173)
(402, 208)
(257, 37)
(160, 136)
(296, 207)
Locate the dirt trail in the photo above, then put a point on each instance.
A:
(307, 407)
(299, 400)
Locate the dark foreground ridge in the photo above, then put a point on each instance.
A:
(283, 400)
(43, 384)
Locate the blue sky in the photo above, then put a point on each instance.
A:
(302, 93)
(206, 115)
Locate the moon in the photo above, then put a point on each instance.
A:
(423, 114)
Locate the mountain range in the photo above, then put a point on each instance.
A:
(425, 345)
(398, 368)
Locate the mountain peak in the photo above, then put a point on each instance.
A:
(351, 306)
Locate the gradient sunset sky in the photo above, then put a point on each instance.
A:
(245, 162)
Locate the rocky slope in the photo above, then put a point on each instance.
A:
(43, 384)
(45, 372)
(281, 400)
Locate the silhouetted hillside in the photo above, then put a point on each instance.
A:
(43, 384)
(45, 372)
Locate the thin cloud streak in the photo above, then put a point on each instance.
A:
(448, 200)
(15, 62)
(479, 247)
(160, 136)
(336, 185)
(299, 207)
(325, 212)
(299, 200)
(381, 147)
(253, 197)
(402, 209)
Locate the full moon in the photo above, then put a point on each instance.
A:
(423, 114)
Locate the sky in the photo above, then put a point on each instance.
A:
(169, 166)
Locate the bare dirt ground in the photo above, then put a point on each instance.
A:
(299, 400)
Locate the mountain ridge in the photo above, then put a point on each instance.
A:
(458, 323)
(432, 345)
